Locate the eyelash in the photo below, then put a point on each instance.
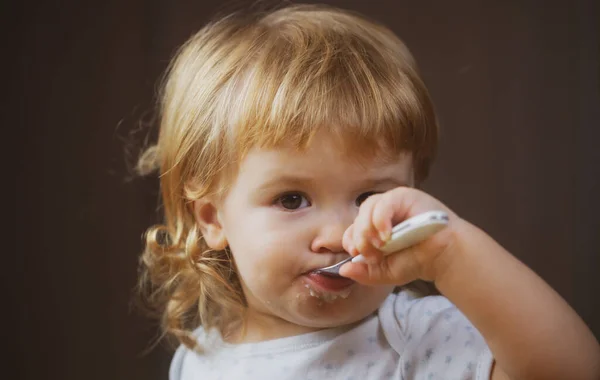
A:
(280, 199)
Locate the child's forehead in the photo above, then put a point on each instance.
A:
(319, 165)
(326, 151)
(328, 148)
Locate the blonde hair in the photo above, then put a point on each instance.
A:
(265, 79)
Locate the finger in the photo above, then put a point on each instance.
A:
(404, 266)
(365, 237)
(397, 269)
(347, 241)
(381, 217)
(395, 206)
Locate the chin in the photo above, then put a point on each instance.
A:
(316, 306)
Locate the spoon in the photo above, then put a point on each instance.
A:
(405, 234)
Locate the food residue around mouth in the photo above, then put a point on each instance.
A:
(328, 297)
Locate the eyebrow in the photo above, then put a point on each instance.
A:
(384, 181)
(289, 180)
(285, 180)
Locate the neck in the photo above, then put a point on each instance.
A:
(258, 327)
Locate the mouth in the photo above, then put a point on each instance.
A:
(337, 262)
(327, 287)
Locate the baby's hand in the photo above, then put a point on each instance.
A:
(373, 226)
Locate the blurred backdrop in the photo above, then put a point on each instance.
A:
(515, 84)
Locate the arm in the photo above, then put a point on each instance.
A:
(531, 331)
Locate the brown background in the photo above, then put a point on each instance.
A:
(515, 84)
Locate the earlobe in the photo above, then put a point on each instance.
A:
(207, 217)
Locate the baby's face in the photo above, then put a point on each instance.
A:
(284, 217)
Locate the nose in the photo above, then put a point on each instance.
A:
(331, 229)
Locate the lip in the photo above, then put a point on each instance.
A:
(328, 283)
(337, 260)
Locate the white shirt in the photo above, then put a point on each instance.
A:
(408, 338)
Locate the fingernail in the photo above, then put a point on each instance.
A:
(359, 259)
(384, 236)
(353, 250)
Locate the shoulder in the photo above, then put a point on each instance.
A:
(431, 333)
(177, 363)
(410, 316)
(186, 358)
(407, 311)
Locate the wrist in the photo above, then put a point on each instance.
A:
(453, 252)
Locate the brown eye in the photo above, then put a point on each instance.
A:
(292, 201)
(363, 197)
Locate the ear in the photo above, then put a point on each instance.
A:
(207, 218)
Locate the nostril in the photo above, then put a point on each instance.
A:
(331, 251)
(329, 236)
(321, 246)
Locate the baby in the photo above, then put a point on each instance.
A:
(289, 140)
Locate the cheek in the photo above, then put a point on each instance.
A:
(263, 250)
(265, 233)
(271, 249)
